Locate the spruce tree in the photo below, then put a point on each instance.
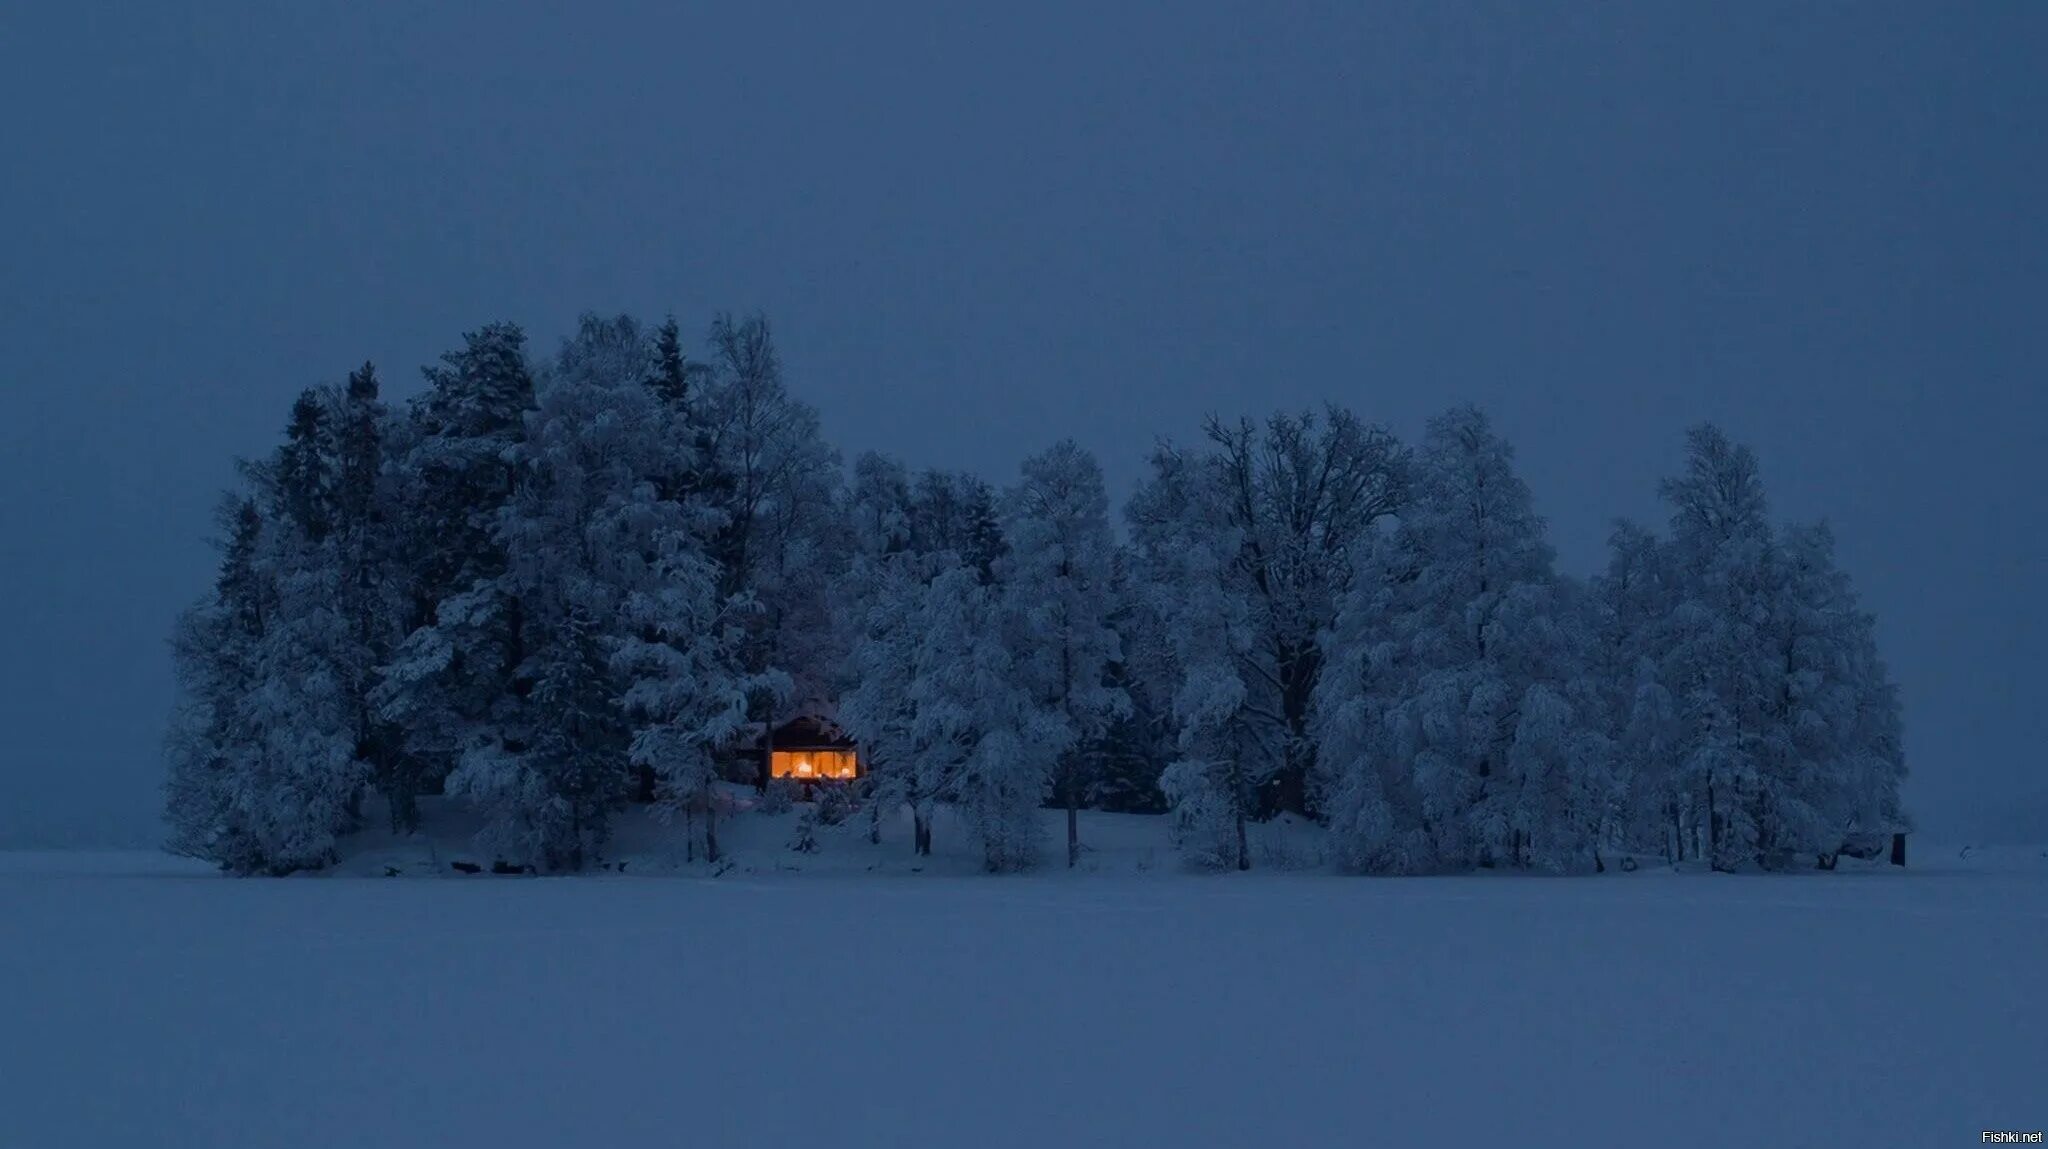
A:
(447, 687)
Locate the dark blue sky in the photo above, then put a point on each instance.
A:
(980, 229)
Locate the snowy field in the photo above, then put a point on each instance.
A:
(144, 1004)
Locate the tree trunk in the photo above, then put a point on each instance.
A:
(403, 797)
(1760, 809)
(710, 826)
(1073, 830)
(921, 832)
(355, 797)
(1299, 665)
(1713, 830)
(1244, 853)
(1898, 849)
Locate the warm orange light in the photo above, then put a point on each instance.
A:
(810, 764)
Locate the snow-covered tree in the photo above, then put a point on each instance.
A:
(298, 774)
(1753, 722)
(1563, 805)
(364, 548)
(1140, 742)
(548, 590)
(1267, 518)
(1185, 556)
(1628, 603)
(688, 686)
(447, 688)
(1370, 799)
(555, 765)
(943, 712)
(1832, 756)
(629, 648)
(213, 653)
(269, 751)
(263, 771)
(1715, 644)
(957, 511)
(879, 505)
(329, 527)
(689, 627)
(774, 483)
(1056, 598)
(988, 743)
(885, 605)
(1454, 715)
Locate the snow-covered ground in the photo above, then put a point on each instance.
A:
(755, 843)
(145, 1004)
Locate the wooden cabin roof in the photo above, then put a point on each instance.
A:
(810, 733)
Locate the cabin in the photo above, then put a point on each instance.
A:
(809, 750)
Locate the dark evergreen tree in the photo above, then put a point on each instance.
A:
(450, 683)
(304, 471)
(957, 511)
(213, 654)
(365, 553)
(1134, 752)
(1140, 744)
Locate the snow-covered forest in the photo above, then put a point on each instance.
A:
(553, 586)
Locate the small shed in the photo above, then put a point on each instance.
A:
(1871, 846)
(809, 750)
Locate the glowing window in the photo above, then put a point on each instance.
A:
(809, 765)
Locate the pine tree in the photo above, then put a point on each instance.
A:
(447, 688)
(546, 796)
(304, 471)
(364, 553)
(956, 511)
(262, 767)
(299, 776)
(672, 373)
(588, 446)
(539, 589)
(213, 654)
